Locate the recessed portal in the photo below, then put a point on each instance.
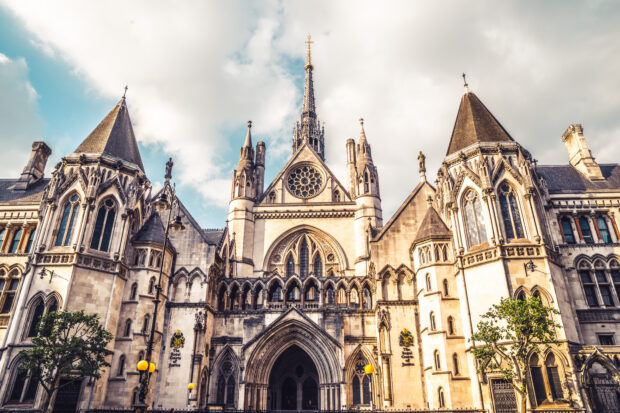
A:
(293, 382)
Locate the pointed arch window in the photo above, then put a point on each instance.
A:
(311, 293)
(304, 258)
(134, 291)
(428, 282)
(545, 379)
(17, 237)
(513, 225)
(23, 387)
(275, 293)
(290, 266)
(293, 294)
(52, 306)
(360, 384)
(329, 295)
(121, 365)
(367, 297)
(67, 221)
(441, 398)
(128, 328)
(474, 219)
(433, 325)
(437, 359)
(366, 182)
(446, 291)
(451, 330)
(145, 325)
(37, 313)
(226, 383)
(151, 289)
(342, 297)
(318, 266)
(103, 226)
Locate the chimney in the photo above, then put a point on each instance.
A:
(34, 169)
(579, 154)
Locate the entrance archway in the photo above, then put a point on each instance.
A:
(293, 382)
(293, 337)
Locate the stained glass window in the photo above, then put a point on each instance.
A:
(67, 221)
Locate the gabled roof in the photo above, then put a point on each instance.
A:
(294, 159)
(32, 195)
(475, 123)
(114, 137)
(432, 226)
(568, 180)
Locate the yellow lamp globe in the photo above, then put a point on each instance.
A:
(143, 365)
(151, 367)
(369, 369)
(191, 386)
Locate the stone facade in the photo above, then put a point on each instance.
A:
(305, 286)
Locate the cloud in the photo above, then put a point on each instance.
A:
(198, 70)
(20, 123)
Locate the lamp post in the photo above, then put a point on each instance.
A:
(161, 204)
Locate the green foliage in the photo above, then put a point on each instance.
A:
(509, 333)
(68, 344)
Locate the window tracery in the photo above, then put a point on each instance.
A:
(360, 383)
(225, 393)
(305, 181)
(545, 379)
(513, 225)
(601, 282)
(67, 221)
(103, 226)
(474, 219)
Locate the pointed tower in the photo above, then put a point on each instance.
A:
(308, 129)
(247, 186)
(368, 215)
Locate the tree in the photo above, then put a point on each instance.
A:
(68, 344)
(508, 334)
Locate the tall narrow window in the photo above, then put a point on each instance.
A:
(2, 236)
(37, 313)
(451, 325)
(360, 383)
(8, 296)
(151, 285)
(30, 240)
(24, 388)
(67, 221)
(589, 288)
(103, 226)
(366, 182)
(510, 212)
(567, 230)
(455, 364)
(437, 360)
(538, 380)
(17, 237)
(128, 328)
(303, 258)
(474, 220)
(355, 298)
(318, 266)
(432, 321)
(603, 283)
(553, 377)
(446, 291)
(603, 230)
(442, 398)
(134, 291)
(586, 233)
(290, 266)
(615, 276)
(428, 283)
(275, 293)
(329, 295)
(121, 366)
(367, 296)
(145, 326)
(342, 297)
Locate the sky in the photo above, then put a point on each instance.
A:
(197, 71)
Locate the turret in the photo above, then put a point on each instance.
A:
(368, 215)
(579, 155)
(244, 181)
(351, 175)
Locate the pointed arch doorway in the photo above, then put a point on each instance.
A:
(293, 382)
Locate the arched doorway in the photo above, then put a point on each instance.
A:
(293, 382)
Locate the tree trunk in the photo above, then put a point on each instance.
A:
(522, 402)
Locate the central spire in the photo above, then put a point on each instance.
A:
(308, 129)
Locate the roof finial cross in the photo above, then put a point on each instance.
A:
(362, 121)
(125, 92)
(465, 80)
(308, 55)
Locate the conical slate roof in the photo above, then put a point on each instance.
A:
(432, 226)
(475, 123)
(152, 230)
(114, 137)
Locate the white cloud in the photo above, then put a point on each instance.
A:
(197, 70)
(20, 123)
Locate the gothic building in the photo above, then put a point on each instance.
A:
(306, 285)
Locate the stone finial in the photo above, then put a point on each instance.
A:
(422, 166)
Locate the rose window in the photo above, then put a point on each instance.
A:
(305, 181)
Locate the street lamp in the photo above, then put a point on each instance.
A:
(529, 266)
(162, 203)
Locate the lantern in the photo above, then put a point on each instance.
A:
(151, 367)
(191, 386)
(143, 365)
(369, 369)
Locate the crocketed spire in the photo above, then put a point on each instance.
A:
(309, 129)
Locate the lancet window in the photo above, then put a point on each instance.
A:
(330, 298)
(474, 219)
(304, 258)
(318, 266)
(546, 379)
(601, 284)
(226, 383)
(67, 221)
(8, 289)
(103, 226)
(513, 225)
(23, 387)
(360, 383)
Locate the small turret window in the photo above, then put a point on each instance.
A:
(69, 213)
(366, 182)
(510, 212)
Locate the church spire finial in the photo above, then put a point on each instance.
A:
(467, 90)
(308, 52)
(248, 137)
(125, 92)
